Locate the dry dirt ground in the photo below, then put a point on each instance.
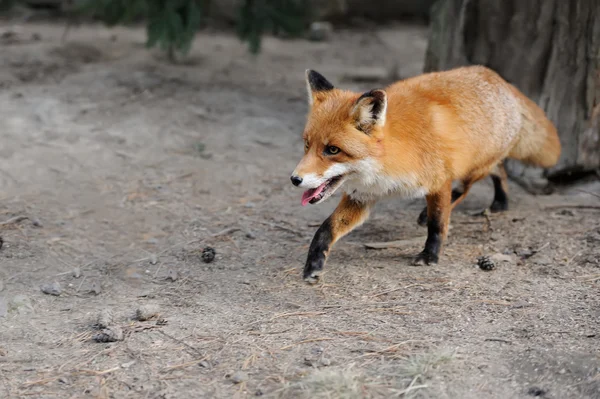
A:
(126, 167)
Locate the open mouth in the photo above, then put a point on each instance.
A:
(318, 194)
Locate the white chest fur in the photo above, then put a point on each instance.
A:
(370, 183)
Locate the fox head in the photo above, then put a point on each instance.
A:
(342, 138)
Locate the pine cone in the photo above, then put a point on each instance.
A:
(485, 263)
(208, 254)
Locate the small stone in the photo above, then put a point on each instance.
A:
(239, 377)
(146, 312)
(204, 364)
(320, 31)
(325, 362)
(208, 254)
(110, 334)
(172, 275)
(76, 273)
(96, 288)
(250, 235)
(128, 364)
(153, 259)
(51, 289)
(105, 318)
(485, 263)
(64, 380)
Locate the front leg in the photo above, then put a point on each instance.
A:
(438, 218)
(348, 215)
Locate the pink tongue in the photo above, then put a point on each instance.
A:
(312, 193)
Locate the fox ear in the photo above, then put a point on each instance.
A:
(316, 85)
(369, 110)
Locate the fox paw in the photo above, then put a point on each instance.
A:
(313, 269)
(425, 258)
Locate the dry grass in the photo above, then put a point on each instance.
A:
(326, 384)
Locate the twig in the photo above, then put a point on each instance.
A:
(567, 206)
(591, 280)
(41, 382)
(95, 372)
(573, 258)
(181, 343)
(498, 340)
(183, 365)
(392, 348)
(306, 341)
(493, 302)
(411, 386)
(297, 314)
(395, 289)
(588, 192)
(280, 227)
(80, 284)
(14, 220)
(394, 244)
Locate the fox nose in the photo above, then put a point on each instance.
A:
(296, 181)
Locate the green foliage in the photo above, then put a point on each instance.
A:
(259, 16)
(171, 25)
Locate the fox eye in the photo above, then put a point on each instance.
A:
(331, 150)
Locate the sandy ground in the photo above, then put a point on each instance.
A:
(126, 167)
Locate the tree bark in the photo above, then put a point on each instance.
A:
(549, 49)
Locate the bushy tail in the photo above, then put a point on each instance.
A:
(538, 142)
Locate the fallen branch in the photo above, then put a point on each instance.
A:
(571, 206)
(394, 244)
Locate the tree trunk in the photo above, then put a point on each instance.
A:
(549, 49)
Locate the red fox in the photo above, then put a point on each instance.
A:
(414, 138)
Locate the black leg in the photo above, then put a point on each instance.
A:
(348, 215)
(317, 253)
(438, 217)
(500, 202)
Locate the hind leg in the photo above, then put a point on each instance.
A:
(500, 180)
